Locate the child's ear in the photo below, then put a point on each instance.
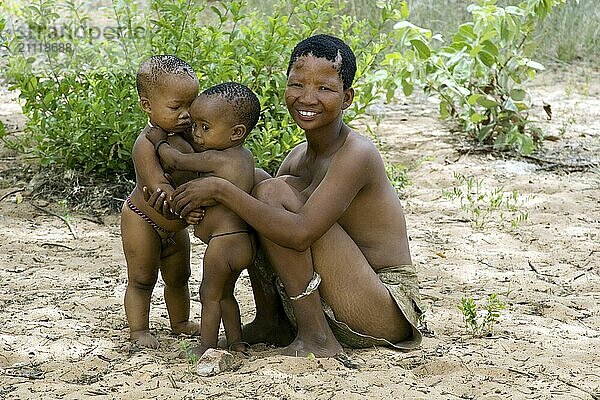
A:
(238, 132)
(145, 104)
(348, 98)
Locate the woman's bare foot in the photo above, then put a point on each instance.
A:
(241, 347)
(186, 327)
(278, 333)
(144, 339)
(318, 346)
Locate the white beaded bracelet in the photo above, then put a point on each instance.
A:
(310, 288)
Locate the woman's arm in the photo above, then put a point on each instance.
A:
(347, 175)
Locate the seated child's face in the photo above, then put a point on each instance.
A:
(213, 123)
(315, 92)
(170, 101)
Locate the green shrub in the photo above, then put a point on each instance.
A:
(479, 75)
(78, 85)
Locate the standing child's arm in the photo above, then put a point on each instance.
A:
(150, 175)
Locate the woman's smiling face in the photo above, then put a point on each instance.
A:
(315, 94)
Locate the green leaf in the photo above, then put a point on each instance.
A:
(486, 58)
(510, 105)
(518, 94)
(535, 65)
(474, 99)
(476, 118)
(407, 88)
(487, 101)
(422, 48)
(484, 132)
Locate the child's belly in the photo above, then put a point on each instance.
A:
(218, 220)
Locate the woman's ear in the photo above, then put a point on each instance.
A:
(348, 98)
(145, 104)
(238, 132)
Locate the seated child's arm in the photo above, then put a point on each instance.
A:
(207, 161)
(156, 135)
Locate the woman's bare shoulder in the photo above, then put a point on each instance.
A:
(359, 147)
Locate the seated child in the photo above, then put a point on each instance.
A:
(223, 116)
(167, 86)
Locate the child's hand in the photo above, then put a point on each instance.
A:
(195, 216)
(155, 134)
(158, 201)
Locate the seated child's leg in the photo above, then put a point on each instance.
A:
(215, 273)
(141, 247)
(175, 271)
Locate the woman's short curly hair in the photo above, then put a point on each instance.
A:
(331, 48)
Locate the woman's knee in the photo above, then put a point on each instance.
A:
(275, 191)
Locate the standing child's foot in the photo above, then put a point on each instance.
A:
(144, 339)
(186, 327)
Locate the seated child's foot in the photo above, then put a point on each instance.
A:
(186, 327)
(144, 339)
(198, 351)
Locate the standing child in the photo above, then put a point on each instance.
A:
(167, 86)
(223, 116)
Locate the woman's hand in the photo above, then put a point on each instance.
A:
(195, 194)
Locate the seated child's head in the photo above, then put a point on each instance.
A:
(330, 48)
(223, 116)
(167, 86)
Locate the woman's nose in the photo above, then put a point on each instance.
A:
(308, 96)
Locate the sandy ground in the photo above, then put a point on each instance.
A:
(63, 330)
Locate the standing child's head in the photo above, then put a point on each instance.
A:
(167, 86)
(224, 115)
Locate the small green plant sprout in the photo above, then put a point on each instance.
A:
(188, 354)
(397, 174)
(482, 206)
(480, 322)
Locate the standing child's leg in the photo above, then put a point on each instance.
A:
(175, 271)
(141, 247)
